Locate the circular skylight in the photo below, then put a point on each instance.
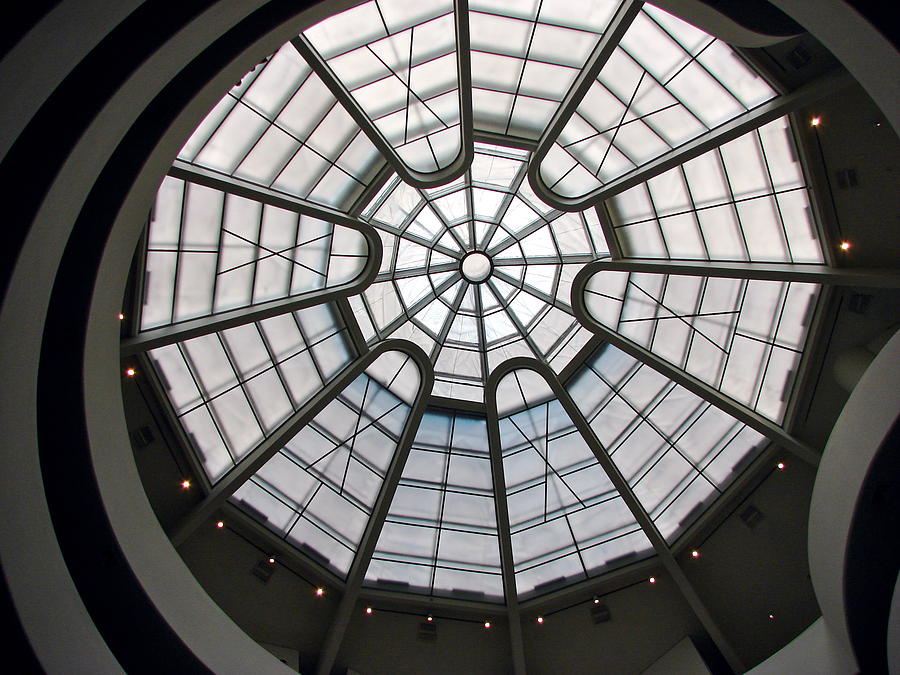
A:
(460, 297)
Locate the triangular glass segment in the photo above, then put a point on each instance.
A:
(398, 62)
(209, 251)
(566, 519)
(440, 536)
(743, 337)
(318, 492)
(676, 451)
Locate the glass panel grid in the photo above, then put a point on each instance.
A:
(665, 84)
(209, 251)
(440, 536)
(747, 200)
(281, 128)
(566, 519)
(676, 451)
(398, 61)
(318, 492)
(525, 56)
(743, 337)
(231, 389)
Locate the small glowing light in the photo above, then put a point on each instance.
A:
(772, 616)
(596, 600)
(652, 580)
(130, 372)
(185, 484)
(320, 592)
(845, 245)
(540, 619)
(487, 624)
(695, 553)
(815, 121)
(121, 316)
(220, 524)
(780, 466)
(429, 618)
(271, 561)
(368, 610)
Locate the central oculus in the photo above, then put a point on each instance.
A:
(476, 267)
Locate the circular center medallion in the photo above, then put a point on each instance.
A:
(476, 267)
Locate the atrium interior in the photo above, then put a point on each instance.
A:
(520, 325)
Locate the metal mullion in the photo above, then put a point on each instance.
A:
(302, 511)
(417, 271)
(612, 140)
(276, 365)
(206, 401)
(698, 305)
(695, 58)
(415, 308)
(470, 208)
(379, 511)
(667, 440)
(272, 122)
(561, 259)
(515, 94)
(519, 235)
(240, 383)
(526, 288)
(518, 324)
(329, 162)
(548, 468)
(693, 210)
(771, 343)
(482, 337)
(575, 544)
(512, 191)
(656, 220)
(235, 101)
(179, 246)
(636, 118)
(356, 432)
(365, 122)
(774, 194)
(445, 329)
(278, 254)
(733, 332)
(409, 91)
(309, 346)
(256, 458)
(753, 271)
(657, 306)
(647, 525)
(440, 520)
(680, 317)
(348, 319)
(600, 55)
(504, 537)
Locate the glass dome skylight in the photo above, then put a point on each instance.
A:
(481, 300)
